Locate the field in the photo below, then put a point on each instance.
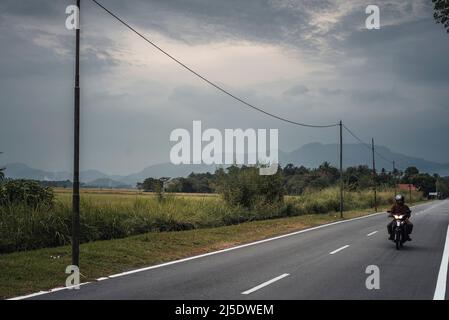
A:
(112, 214)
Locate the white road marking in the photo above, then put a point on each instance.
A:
(102, 278)
(45, 292)
(440, 290)
(266, 283)
(225, 250)
(339, 249)
(371, 233)
(242, 246)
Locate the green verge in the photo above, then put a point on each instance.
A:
(31, 271)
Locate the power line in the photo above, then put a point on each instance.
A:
(366, 145)
(356, 137)
(206, 79)
(218, 87)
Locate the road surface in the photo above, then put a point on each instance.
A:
(327, 262)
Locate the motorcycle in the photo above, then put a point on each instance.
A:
(399, 229)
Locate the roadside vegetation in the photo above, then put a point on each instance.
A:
(33, 216)
(125, 229)
(42, 269)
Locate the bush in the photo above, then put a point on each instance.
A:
(246, 188)
(27, 192)
(111, 216)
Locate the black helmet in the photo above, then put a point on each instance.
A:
(399, 198)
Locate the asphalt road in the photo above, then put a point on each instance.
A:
(324, 263)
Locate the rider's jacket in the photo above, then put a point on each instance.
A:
(401, 209)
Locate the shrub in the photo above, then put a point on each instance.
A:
(110, 216)
(27, 192)
(246, 188)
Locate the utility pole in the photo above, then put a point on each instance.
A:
(394, 178)
(436, 187)
(410, 192)
(76, 145)
(374, 175)
(341, 169)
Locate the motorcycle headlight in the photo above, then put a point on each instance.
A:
(398, 217)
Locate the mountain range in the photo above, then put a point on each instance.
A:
(310, 155)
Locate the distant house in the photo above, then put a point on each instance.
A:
(407, 187)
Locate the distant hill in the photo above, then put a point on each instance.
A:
(313, 154)
(22, 171)
(108, 183)
(310, 155)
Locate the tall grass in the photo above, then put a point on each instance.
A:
(106, 216)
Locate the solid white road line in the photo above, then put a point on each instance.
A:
(230, 249)
(371, 233)
(48, 291)
(266, 283)
(440, 290)
(339, 249)
(102, 278)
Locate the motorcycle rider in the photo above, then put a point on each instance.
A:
(400, 208)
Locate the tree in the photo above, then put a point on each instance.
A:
(27, 192)
(150, 185)
(245, 187)
(441, 12)
(411, 171)
(442, 186)
(424, 182)
(2, 172)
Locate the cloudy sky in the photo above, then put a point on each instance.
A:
(308, 60)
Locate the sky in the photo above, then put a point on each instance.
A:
(310, 61)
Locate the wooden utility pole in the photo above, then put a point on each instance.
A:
(394, 178)
(410, 192)
(341, 170)
(76, 145)
(374, 175)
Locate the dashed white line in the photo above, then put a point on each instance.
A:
(265, 283)
(440, 290)
(339, 249)
(371, 233)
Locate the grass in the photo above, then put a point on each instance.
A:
(126, 230)
(31, 271)
(106, 216)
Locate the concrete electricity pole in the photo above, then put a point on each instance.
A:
(76, 166)
(341, 169)
(374, 175)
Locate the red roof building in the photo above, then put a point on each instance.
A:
(407, 187)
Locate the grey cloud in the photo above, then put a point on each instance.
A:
(413, 52)
(202, 21)
(403, 67)
(379, 97)
(296, 90)
(330, 91)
